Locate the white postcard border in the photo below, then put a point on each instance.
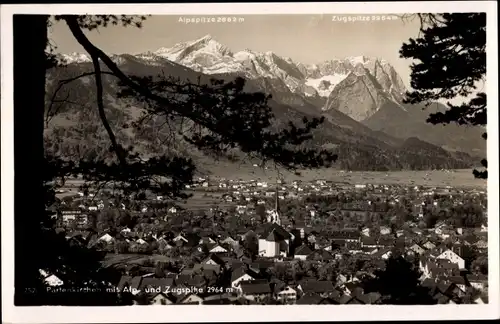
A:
(202, 313)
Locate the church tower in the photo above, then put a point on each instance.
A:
(273, 215)
(277, 218)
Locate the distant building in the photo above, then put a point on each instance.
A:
(303, 252)
(452, 257)
(274, 241)
(287, 294)
(68, 216)
(346, 236)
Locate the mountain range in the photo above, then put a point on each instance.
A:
(361, 98)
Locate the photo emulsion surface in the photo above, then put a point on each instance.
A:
(250, 159)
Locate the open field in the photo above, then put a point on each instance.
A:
(201, 200)
(431, 178)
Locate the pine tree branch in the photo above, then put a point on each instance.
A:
(59, 88)
(72, 23)
(248, 131)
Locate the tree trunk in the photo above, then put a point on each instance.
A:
(30, 39)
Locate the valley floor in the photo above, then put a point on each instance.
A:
(430, 178)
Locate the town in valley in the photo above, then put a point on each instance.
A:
(279, 242)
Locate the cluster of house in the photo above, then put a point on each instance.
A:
(248, 284)
(223, 277)
(247, 190)
(364, 198)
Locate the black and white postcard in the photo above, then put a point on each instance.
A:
(300, 161)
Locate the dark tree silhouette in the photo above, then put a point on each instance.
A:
(451, 54)
(399, 283)
(224, 118)
(260, 211)
(251, 245)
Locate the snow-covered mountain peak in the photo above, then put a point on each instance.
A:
(355, 60)
(75, 58)
(205, 38)
(208, 56)
(205, 45)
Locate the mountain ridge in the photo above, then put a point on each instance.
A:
(208, 56)
(358, 146)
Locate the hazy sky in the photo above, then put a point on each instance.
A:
(304, 38)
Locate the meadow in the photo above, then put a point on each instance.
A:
(429, 178)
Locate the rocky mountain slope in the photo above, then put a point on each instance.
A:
(368, 90)
(329, 89)
(404, 121)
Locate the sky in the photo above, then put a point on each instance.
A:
(304, 38)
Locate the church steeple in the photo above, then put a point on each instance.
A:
(277, 200)
(277, 218)
(273, 215)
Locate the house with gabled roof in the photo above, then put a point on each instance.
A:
(187, 239)
(210, 239)
(270, 247)
(302, 252)
(460, 282)
(106, 238)
(256, 291)
(441, 292)
(323, 288)
(429, 245)
(191, 299)
(416, 249)
(434, 268)
(274, 241)
(286, 294)
(352, 288)
(481, 244)
(310, 298)
(383, 253)
(385, 230)
(370, 242)
(481, 299)
(77, 238)
(207, 270)
(213, 259)
(51, 279)
(161, 298)
(230, 240)
(477, 281)
(240, 274)
(320, 255)
(163, 244)
(125, 230)
(372, 298)
(216, 248)
(452, 257)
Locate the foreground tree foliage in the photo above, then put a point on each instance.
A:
(221, 117)
(451, 62)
